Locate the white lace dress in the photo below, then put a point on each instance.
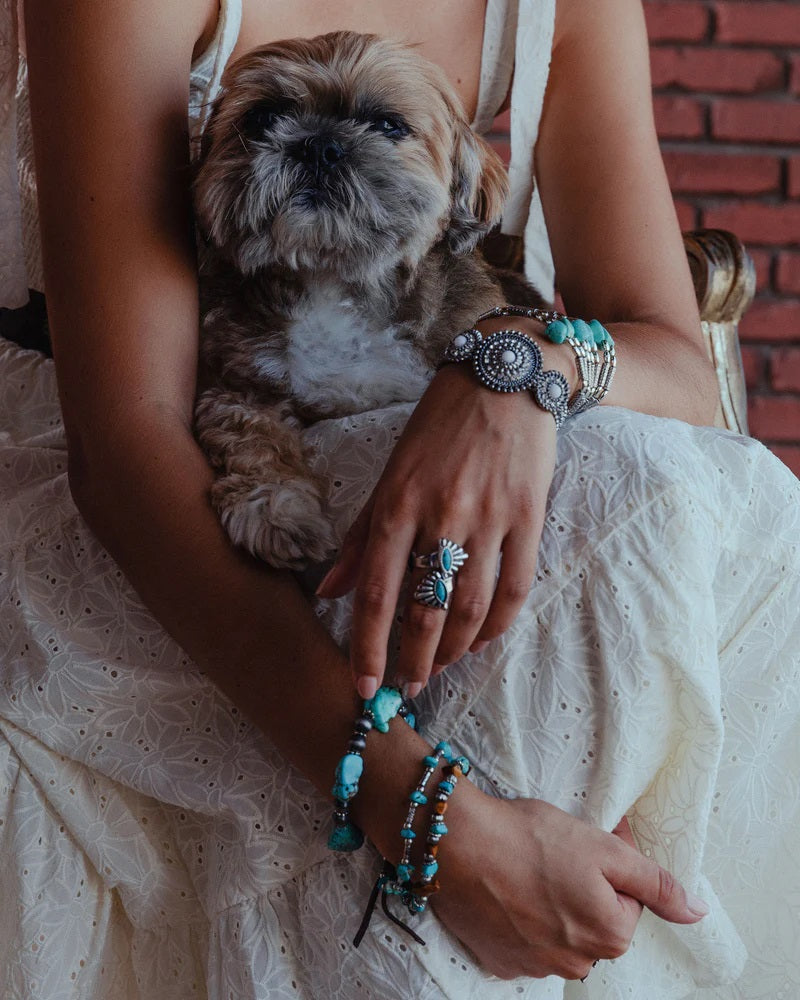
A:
(156, 847)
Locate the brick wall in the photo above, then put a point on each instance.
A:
(726, 83)
(726, 90)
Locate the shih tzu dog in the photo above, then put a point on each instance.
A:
(340, 195)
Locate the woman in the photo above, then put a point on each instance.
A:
(146, 789)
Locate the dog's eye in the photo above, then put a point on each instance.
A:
(393, 128)
(259, 120)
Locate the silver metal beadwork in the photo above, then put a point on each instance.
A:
(507, 361)
(462, 346)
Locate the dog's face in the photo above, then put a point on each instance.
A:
(343, 153)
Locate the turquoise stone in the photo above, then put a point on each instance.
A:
(446, 559)
(345, 837)
(441, 591)
(407, 834)
(431, 868)
(556, 331)
(348, 771)
(411, 719)
(446, 786)
(438, 828)
(601, 335)
(430, 761)
(404, 872)
(418, 797)
(444, 748)
(583, 332)
(384, 706)
(464, 764)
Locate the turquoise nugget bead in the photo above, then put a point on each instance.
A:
(444, 747)
(384, 706)
(583, 332)
(346, 837)
(438, 828)
(348, 771)
(430, 761)
(556, 331)
(601, 335)
(446, 786)
(418, 797)
(407, 834)
(431, 868)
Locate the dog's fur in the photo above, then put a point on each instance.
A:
(341, 196)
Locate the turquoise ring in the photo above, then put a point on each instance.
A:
(435, 588)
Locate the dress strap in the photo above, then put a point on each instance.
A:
(208, 67)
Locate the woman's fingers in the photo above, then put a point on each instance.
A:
(517, 569)
(380, 578)
(343, 575)
(631, 873)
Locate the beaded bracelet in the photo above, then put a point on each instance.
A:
(393, 881)
(414, 895)
(378, 711)
(586, 340)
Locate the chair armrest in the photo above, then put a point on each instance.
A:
(724, 283)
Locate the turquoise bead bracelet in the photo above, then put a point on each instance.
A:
(414, 894)
(377, 713)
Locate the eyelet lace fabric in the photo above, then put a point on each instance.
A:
(157, 846)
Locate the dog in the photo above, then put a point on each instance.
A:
(340, 197)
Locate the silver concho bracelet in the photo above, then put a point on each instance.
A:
(510, 361)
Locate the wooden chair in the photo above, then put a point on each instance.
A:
(724, 283)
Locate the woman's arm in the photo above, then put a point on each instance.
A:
(109, 94)
(616, 243)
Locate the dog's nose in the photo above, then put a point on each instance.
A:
(321, 152)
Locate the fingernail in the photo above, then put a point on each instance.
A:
(479, 645)
(325, 580)
(696, 905)
(367, 685)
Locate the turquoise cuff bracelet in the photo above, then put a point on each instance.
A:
(377, 713)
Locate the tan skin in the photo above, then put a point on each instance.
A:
(528, 888)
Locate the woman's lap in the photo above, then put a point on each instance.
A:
(653, 672)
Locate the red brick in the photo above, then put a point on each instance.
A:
(679, 117)
(794, 84)
(784, 370)
(771, 320)
(758, 23)
(738, 71)
(793, 186)
(763, 264)
(787, 274)
(789, 455)
(721, 173)
(774, 418)
(756, 121)
(755, 222)
(754, 364)
(687, 215)
(673, 21)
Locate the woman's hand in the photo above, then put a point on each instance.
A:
(532, 891)
(474, 466)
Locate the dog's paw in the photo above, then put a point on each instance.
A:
(282, 523)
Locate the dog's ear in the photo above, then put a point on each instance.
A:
(480, 187)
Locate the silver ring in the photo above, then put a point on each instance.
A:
(435, 588)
